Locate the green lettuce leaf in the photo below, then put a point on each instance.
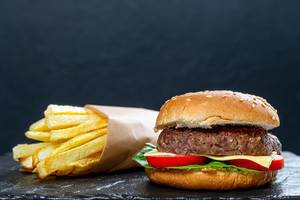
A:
(141, 159)
(140, 156)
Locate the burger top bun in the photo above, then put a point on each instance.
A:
(208, 108)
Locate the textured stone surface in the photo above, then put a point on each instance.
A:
(132, 185)
(141, 53)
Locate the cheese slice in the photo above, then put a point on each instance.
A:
(264, 161)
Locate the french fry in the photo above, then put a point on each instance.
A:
(60, 161)
(80, 167)
(26, 150)
(92, 110)
(41, 169)
(35, 159)
(72, 140)
(27, 163)
(86, 165)
(64, 134)
(65, 121)
(90, 168)
(57, 109)
(46, 151)
(43, 153)
(64, 172)
(39, 126)
(38, 135)
(79, 140)
(86, 161)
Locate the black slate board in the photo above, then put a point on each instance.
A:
(133, 185)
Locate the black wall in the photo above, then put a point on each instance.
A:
(140, 53)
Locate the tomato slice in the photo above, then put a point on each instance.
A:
(277, 163)
(174, 160)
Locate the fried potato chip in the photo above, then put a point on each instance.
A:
(80, 140)
(27, 163)
(38, 135)
(26, 150)
(57, 109)
(65, 121)
(61, 160)
(64, 134)
(39, 126)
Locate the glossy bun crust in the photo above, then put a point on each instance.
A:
(209, 108)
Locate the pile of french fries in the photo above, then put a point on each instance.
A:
(70, 142)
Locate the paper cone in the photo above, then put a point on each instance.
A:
(128, 131)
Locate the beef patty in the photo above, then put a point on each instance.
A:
(221, 140)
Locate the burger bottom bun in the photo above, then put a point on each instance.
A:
(210, 180)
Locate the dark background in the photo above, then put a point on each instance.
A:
(140, 53)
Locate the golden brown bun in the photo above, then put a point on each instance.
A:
(204, 109)
(210, 180)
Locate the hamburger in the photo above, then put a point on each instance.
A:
(214, 140)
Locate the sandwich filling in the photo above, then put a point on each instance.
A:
(219, 141)
(230, 148)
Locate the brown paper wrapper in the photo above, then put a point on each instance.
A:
(128, 131)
